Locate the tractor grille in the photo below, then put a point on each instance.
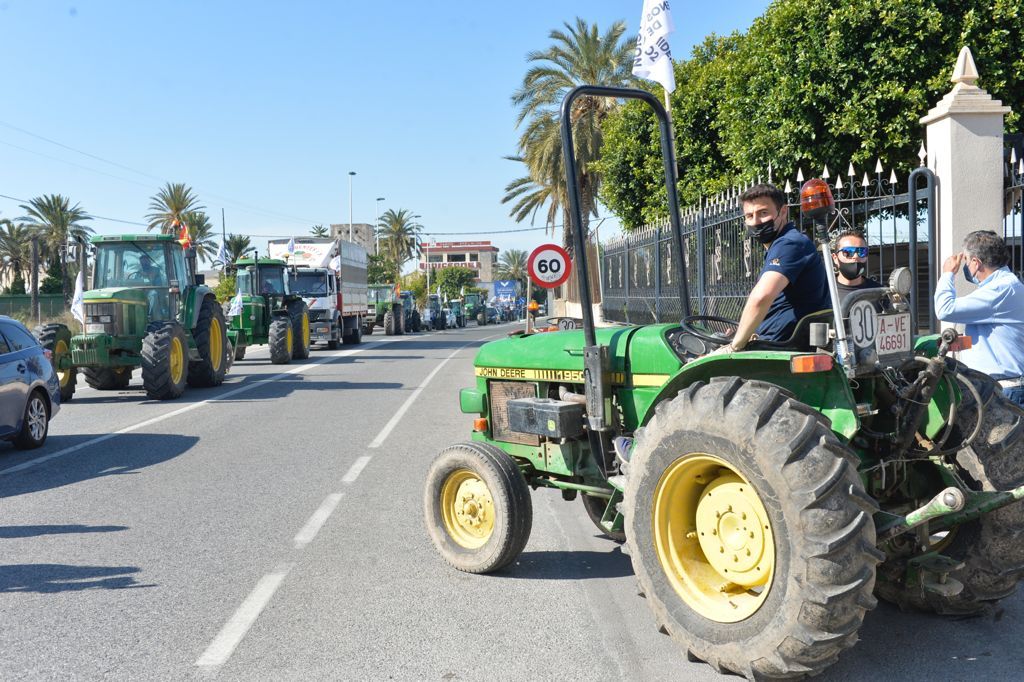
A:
(106, 318)
(500, 393)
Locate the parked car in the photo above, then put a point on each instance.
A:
(29, 388)
(492, 315)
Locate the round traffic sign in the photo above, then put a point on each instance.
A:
(549, 266)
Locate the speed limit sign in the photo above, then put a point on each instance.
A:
(549, 266)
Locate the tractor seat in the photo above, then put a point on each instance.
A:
(800, 340)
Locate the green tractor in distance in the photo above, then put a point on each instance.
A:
(459, 312)
(265, 312)
(474, 305)
(148, 308)
(434, 314)
(767, 496)
(383, 309)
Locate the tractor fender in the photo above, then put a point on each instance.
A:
(827, 392)
(193, 302)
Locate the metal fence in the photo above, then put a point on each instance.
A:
(639, 272)
(1013, 211)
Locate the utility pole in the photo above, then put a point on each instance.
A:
(35, 280)
(350, 176)
(376, 227)
(223, 242)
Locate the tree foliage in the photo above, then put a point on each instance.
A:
(56, 222)
(381, 270)
(399, 235)
(812, 82)
(226, 288)
(452, 280)
(170, 205)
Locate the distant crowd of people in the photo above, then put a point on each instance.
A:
(793, 284)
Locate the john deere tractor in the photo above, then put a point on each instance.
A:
(384, 309)
(766, 496)
(412, 321)
(147, 309)
(475, 309)
(266, 312)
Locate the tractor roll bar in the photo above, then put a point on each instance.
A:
(575, 214)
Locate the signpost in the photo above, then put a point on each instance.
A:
(548, 266)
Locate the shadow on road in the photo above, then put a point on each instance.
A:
(51, 578)
(557, 565)
(128, 453)
(12, 532)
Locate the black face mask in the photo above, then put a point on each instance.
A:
(763, 232)
(853, 270)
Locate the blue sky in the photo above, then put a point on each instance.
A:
(264, 108)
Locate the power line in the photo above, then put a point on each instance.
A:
(113, 220)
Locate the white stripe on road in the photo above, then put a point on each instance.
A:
(389, 427)
(297, 369)
(317, 521)
(356, 469)
(238, 625)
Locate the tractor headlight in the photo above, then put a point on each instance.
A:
(901, 280)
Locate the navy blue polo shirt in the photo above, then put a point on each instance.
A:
(793, 255)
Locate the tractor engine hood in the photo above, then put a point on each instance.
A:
(117, 295)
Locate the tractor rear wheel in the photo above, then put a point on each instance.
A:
(992, 546)
(282, 340)
(354, 337)
(56, 338)
(299, 314)
(389, 323)
(595, 507)
(481, 320)
(749, 530)
(417, 322)
(477, 507)
(211, 342)
(164, 360)
(107, 378)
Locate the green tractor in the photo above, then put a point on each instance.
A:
(383, 309)
(474, 304)
(411, 319)
(147, 309)
(264, 311)
(766, 497)
(458, 312)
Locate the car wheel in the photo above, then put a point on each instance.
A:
(35, 424)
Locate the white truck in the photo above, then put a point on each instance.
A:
(330, 275)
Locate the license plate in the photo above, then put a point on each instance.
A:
(892, 334)
(94, 329)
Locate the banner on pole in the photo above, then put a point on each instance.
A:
(653, 57)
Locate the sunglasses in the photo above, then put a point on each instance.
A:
(854, 251)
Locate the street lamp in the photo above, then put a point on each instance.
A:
(351, 174)
(376, 228)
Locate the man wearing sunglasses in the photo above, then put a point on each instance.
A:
(850, 258)
(993, 313)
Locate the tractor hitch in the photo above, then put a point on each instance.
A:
(948, 501)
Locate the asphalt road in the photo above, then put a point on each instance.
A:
(271, 528)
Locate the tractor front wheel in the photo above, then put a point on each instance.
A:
(299, 314)
(164, 360)
(282, 340)
(389, 323)
(477, 507)
(107, 378)
(749, 530)
(210, 337)
(56, 338)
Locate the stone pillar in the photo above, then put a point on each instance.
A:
(965, 151)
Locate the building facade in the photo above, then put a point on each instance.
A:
(480, 257)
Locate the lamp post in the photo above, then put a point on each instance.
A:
(376, 227)
(351, 174)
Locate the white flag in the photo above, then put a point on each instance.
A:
(222, 255)
(291, 245)
(653, 57)
(335, 264)
(77, 305)
(236, 306)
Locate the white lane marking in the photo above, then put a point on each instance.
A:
(238, 625)
(356, 469)
(297, 369)
(386, 431)
(317, 520)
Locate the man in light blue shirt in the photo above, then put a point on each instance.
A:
(993, 314)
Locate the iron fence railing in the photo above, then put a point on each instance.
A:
(1013, 211)
(639, 271)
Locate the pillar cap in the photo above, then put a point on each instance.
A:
(965, 97)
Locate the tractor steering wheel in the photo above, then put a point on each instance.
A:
(716, 330)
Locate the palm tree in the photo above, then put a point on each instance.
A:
(399, 235)
(319, 231)
(200, 233)
(57, 222)
(512, 265)
(15, 250)
(169, 206)
(236, 245)
(579, 55)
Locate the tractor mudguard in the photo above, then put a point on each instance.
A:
(827, 392)
(193, 301)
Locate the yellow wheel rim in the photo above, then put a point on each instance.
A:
(216, 345)
(289, 341)
(60, 349)
(713, 538)
(177, 361)
(305, 330)
(467, 509)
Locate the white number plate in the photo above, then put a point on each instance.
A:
(94, 329)
(892, 334)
